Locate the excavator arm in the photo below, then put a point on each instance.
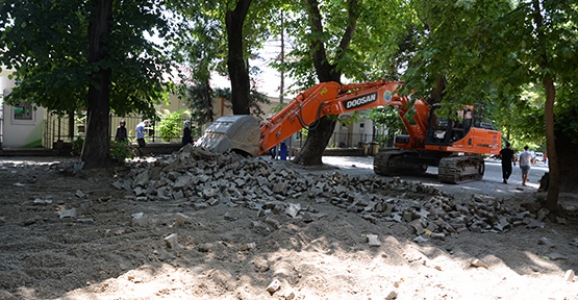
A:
(332, 98)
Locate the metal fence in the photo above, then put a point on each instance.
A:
(60, 130)
(349, 140)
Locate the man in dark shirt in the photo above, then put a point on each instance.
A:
(507, 156)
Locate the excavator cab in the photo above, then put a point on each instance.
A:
(444, 130)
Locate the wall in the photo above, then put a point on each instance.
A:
(18, 129)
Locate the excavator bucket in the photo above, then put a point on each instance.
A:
(238, 132)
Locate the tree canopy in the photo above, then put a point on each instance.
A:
(46, 44)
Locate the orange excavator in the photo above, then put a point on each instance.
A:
(454, 143)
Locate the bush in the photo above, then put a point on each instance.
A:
(120, 151)
(171, 125)
(77, 146)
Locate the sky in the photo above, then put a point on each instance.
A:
(269, 80)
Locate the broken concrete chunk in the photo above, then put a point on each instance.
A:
(293, 210)
(139, 191)
(420, 239)
(556, 256)
(535, 224)
(228, 217)
(80, 194)
(479, 264)
(274, 286)
(569, 276)
(139, 219)
(86, 220)
(39, 201)
(117, 184)
(373, 240)
(67, 213)
(248, 246)
(391, 296)
(181, 219)
(438, 236)
(198, 206)
(171, 241)
(182, 183)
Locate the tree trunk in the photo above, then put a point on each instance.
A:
(566, 150)
(236, 63)
(554, 175)
(95, 151)
(320, 133)
(317, 139)
(547, 80)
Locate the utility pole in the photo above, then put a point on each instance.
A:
(282, 86)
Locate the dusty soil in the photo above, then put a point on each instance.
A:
(222, 252)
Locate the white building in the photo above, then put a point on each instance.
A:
(20, 125)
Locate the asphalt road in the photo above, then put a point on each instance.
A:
(490, 185)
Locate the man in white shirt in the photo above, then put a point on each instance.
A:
(525, 163)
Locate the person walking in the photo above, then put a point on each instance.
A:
(141, 131)
(121, 134)
(508, 157)
(187, 134)
(525, 163)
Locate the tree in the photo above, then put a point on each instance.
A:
(387, 118)
(86, 54)
(255, 100)
(352, 39)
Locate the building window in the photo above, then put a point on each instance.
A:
(361, 125)
(23, 112)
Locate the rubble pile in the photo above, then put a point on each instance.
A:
(205, 179)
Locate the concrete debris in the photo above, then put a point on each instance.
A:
(39, 201)
(139, 219)
(171, 241)
(391, 296)
(293, 210)
(247, 247)
(373, 240)
(274, 286)
(479, 264)
(569, 276)
(80, 194)
(67, 213)
(205, 179)
(181, 219)
(86, 220)
(420, 239)
(556, 256)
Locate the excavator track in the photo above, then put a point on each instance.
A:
(397, 163)
(456, 169)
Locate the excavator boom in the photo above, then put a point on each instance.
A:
(332, 98)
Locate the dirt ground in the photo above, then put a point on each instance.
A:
(67, 234)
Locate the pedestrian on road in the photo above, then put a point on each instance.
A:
(525, 163)
(508, 157)
(187, 136)
(121, 135)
